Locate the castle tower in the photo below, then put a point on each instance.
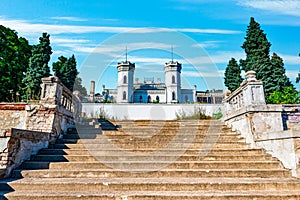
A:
(173, 81)
(125, 82)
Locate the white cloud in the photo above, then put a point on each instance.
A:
(292, 74)
(290, 59)
(286, 7)
(203, 74)
(27, 28)
(60, 40)
(219, 57)
(69, 18)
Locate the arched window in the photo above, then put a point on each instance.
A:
(125, 79)
(124, 95)
(186, 98)
(173, 96)
(173, 79)
(149, 99)
(157, 98)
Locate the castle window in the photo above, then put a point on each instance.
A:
(173, 79)
(186, 98)
(173, 96)
(149, 99)
(125, 79)
(124, 95)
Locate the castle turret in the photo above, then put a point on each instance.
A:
(173, 81)
(125, 82)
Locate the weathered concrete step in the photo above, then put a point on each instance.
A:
(149, 140)
(120, 135)
(144, 146)
(155, 195)
(159, 122)
(153, 157)
(147, 151)
(133, 130)
(152, 184)
(149, 173)
(142, 164)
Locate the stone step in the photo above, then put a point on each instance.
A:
(152, 184)
(145, 146)
(147, 151)
(121, 135)
(151, 157)
(134, 140)
(147, 173)
(142, 164)
(154, 195)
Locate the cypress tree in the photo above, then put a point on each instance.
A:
(38, 67)
(65, 69)
(257, 49)
(233, 77)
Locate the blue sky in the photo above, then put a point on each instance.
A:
(204, 34)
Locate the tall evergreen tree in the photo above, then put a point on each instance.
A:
(14, 59)
(65, 69)
(257, 49)
(233, 77)
(38, 67)
(298, 78)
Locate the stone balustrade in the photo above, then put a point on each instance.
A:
(34, 125)
(272, 127)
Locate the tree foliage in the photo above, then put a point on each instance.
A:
(270, 70)
(233, 77)
(257, 49)
(288, 96)
(65, 69)
(78, 86)
(14, 58)
(298, 78)
(38, 67)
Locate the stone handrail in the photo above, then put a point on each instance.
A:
(251, 92)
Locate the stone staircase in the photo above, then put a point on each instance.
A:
(152, 160)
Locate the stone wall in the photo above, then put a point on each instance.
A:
(272, 127)
(148, 111)
(17, 146)
(12, 115)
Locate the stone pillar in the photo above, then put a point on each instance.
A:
(92, 91)
(51, 90)
(253, 92)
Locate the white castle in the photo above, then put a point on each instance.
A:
(130, 91)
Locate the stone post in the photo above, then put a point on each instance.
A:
(51, 90)
(253, 92)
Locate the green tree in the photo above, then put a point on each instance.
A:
(65, 69)
(275, 79)
(233, 77)
(38, 67)
(288, 96)
(78, 86)
(14, 58)
(270, 70)
(298, 78)
(257, 49)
